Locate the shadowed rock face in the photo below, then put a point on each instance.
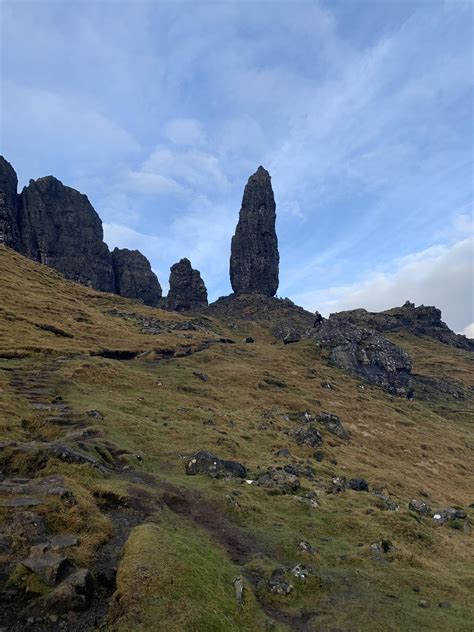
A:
(134, 277)
(254, 256)
(423, 320)
(187, 289)
(9, 234)
(60, 228)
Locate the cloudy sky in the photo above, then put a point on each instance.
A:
(360, 109)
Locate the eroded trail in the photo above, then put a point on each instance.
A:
(54, 432)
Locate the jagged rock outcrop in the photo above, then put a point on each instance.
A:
(134, 277)
(366, 354)
(187, 289)
(60, 228)
(254, 256)
(420, 321)
(9, 234)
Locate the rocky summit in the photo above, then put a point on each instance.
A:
(134, 277)
(60, 228)
(9, 230)
(187, 289)
(254, 258)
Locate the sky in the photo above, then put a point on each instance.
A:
(160, 111)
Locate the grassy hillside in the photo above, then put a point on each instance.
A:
(179, 541)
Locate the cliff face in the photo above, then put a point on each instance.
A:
(60, 228)
(134, 277)
(254, 257)
(187, 289)
(423, 320)
(9, 234)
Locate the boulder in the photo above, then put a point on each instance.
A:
(278, 584)
(308, 435)
(254, 257)
(419, 507)
(208, 463)
(134, 277)
(333, 424)
(187, 289)
(358, 485)
(279, 481)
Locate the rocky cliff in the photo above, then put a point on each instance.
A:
(56, 225)
(420, 321)
(187, 289)
(60, 228)
(134, 277)
(9, 234)
(254, 257)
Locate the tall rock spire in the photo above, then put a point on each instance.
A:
(134, 277)
(254, 258)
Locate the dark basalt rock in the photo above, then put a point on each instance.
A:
(60, 228)
(254, 256)
(208, 463)
(9, 200)
(420, 321)
(134, 277)
(187, 289)
(365, 353)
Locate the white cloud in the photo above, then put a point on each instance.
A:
(185, 131)
(469, 331)
(440, 276)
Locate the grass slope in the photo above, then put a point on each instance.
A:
(177, 568)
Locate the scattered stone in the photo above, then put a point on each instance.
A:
(49, 566)
(306, 547)
(319, 455)
(310, 499)
(278, 584)
(239, 589)
(338, 485)
(73, 594)
(208, 463)
(283, 452)
(385, 500)
(278, 481)
(419, 507)
(254, 256)
(444, 604)
(423, 603)
(448, 514)
(380, 549)
(249, 340)
(358, 485)
(312, 373)
(333, 424)
(308, 435)
(95, 414)
(416, 589)
(301, 571)
(202, 376)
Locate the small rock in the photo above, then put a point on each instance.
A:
(301, 571)
(416, 589)
(95, 414)
(423, 603)
(278, 584)
(308, 435)
(239, 589)
(358, 485)
(444, 604)
(333, 424)
(202, 376)
(419, 507)
(338, 485)
(319, 455)
(278, 481)
(306, 547)
(249, 340)
(284, 452)
(208, 463)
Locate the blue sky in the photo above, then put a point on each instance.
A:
(159, 112)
